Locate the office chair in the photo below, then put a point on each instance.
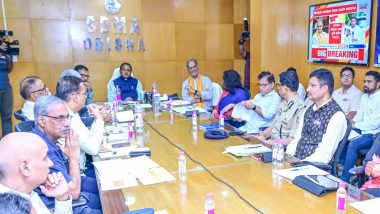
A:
(25, 126)
(332, 166)
(19, 116)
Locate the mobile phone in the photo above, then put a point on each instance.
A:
(300, 163)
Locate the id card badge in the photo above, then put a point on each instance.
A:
(118, 44)
(99, 44)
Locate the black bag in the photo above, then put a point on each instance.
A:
(216, 134)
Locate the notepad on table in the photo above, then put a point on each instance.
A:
(247, 149)
(303, 170)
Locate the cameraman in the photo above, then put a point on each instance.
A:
(246, 55)
(6, 96)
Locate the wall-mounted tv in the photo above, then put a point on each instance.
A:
(339, 32)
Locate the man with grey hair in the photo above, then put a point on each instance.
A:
(69, 73)
(72, 90)
(31, 88)
(52, 121)
(25, 166)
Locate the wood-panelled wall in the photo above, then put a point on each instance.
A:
(280, 40)
(51, 34)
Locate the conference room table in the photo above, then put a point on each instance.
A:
(239, 185)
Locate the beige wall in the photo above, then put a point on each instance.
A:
(51, 33)
(280, 34)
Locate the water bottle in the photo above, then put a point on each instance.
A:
(209, 204)
(194, 119)
(113, 114)
(341, 196)
(139, 122)
(118, 95)
(274, 154)
(182, 172)
(170, 105)
(221, 121)
(131, 132)
(154, 88)
(280, 153)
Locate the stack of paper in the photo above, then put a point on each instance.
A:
(303, 170)
(240, 111)
(247, 149)
(125, 116)
(184, 109)
(368, 206)
(176, 103)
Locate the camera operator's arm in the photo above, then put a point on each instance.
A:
(10, 63)
(243, 52)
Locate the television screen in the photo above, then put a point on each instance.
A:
(377, 46)
(339, 32)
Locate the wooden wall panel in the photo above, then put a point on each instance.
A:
(219, 41)
(51, 41)
(215, 68)
(158, 11)
(163, 73)
(241, 10)
(159, 41)
(190, 41)
(189, 11)
(219, 11)
(20, 71)
(15, 9)
(49, 9)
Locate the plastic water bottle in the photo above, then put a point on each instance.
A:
(118, 95)
(170, 105)
(280, 153)
(182, 172)
(274, 154)
(154, 88)
(139, 122)
(194, 119)
(221, 121)
(113, 114)
(131, 132)
(209, 204)
(341, 196)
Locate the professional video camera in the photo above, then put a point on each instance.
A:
(10, 49)
(245, 34)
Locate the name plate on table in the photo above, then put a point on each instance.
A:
(125, 116)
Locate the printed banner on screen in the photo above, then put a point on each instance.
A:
(340, 31)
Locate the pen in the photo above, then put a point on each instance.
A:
(299, 168)
(252, 147)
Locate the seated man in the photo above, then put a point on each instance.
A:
(85, 77)
(130, 87)
(52, 121)
(322, 125)
(348, 96)
(289, 111)
(13, 203)
(30, 89)
(73, 91)
(24, 165)
(264, 105)
(366, 121)
(197, 89)
(301, 89)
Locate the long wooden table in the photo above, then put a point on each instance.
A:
(254, 181)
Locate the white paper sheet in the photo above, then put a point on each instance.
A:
(353, 135)
(184, 109)
(303, 170)
(247, 149)
(125, 116)
(240, 111)
(369, 206)
(154, 176)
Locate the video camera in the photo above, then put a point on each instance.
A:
(10, 49)
(245, 34)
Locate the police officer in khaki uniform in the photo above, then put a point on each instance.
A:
(289, 111)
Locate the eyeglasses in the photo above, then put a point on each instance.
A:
(85, 76)
(279, 84)
(348, 76)
(60, 118)
(263, 84)
(42, 89)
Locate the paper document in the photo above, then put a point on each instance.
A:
(118, 137)
(184, 109)
(240, 111)
(154, 176)
(176, 103)
(353, 135)
(370, 206)
(303, 170)
(125, 116)
(247, 149)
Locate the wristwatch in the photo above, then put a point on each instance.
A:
(254, 108)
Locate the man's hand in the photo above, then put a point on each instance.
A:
(95, 110)
(3, 47)
(227, 108)
(71, 149)
(55, 186)
(248, 104)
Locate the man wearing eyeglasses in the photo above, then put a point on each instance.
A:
(31, 88)
(52, 119)
(264, 105)
(348, 96)
(85, 77)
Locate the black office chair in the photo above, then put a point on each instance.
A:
(19, 116)
(332, 166)
(25, 126)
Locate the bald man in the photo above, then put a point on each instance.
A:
(24, 165)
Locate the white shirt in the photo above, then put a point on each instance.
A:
(348, 101)
(89, 140)
(326, 148)
(28, 110)
(61, 207)
(367, 119)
